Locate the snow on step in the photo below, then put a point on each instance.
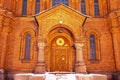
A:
(50, 77)
(60, 77)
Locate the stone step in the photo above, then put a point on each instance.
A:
(60, 76)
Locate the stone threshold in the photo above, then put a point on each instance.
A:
(57, 72)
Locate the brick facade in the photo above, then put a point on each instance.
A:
(13, 25)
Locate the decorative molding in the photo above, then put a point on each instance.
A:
(79, 45)
(115, 30)
(41, 45)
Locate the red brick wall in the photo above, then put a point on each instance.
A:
(106, 61)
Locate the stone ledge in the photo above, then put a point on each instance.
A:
(91, 77)
(31, 76)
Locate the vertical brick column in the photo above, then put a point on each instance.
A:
(3, 37)
(4, 31)
(4, 34)
(40, 66)
(115, 30)
(115, 34)
(80, 65)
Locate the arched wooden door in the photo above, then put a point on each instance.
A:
(61, 55)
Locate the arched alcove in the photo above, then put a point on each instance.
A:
(59, 53)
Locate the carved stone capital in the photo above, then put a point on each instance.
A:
(41, 38)
(6, 22)
(114, 20)
(41, 45)
(6, 29)
(79, 45)
(115, 30)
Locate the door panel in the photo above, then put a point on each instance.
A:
(60, 55)
(60, 59)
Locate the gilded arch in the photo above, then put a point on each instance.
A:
(65, 30)
(68, 29)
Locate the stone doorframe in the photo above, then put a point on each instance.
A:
(79, 61)
(59, 32)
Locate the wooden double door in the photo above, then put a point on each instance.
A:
(61, 55)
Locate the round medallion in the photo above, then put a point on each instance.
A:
(60, 41)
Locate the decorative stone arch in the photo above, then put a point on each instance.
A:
(97, 43)
(28, 30)
(67, 28)
(92, 31)
(62, 34)
(60, 27)
(22, 43)
(57, 32)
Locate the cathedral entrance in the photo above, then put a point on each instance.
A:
(60, 54)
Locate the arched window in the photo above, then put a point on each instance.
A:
(93, 42)
(27, 46)
(37, 6)
(83, 8)
(92, 47)
(24, 7)
(96, 8)
(55, 2)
